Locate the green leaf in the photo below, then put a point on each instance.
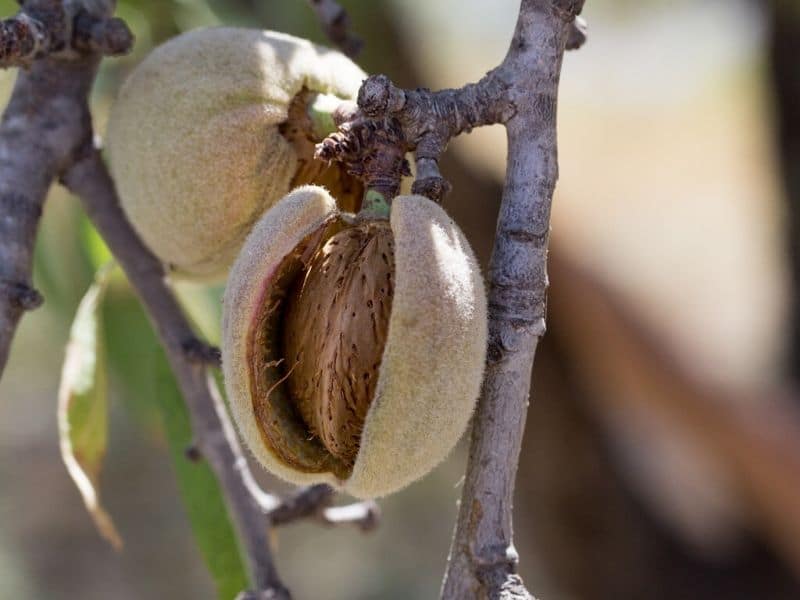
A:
(201, 493)
(203, 305)
(83, 405)
(132, 350)
(95, 246)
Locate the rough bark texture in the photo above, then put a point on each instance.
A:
(46, 120)
(483, 561)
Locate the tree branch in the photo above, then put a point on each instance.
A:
(336, 24)
(49, 27)
(46, 120)
(389, 121)
(213, 433)
(483, 561)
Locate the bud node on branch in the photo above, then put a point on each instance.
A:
(21, 295)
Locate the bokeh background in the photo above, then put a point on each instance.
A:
(662, 453)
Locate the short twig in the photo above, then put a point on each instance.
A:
(305, 503)
(336, 24)
(372, 150)
(365, 515)
(314, 502)
(197, 351)
(578, 34)
(109, 37)
(21, 295)
(424, 121)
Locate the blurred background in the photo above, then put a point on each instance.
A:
(662, 451)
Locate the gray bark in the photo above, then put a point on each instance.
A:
(483, 561)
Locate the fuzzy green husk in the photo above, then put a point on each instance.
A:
(193, 138)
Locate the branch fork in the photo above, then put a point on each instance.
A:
(419, 121)
(55, 28)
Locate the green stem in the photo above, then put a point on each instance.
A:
(375, 204)
(320, 110)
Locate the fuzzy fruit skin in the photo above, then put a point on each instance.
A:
(194, 141)
(432, 363)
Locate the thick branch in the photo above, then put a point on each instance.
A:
(483, 561)
(47, 27)
(214, 435)
(336, 23)
(46, 120)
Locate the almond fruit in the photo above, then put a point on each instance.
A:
(211, 129)
(353, 346)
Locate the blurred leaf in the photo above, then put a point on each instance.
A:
(132, 351)
(203, 305)
(191, 14)
(83, 405)
(201, 493)
(62, 271)
(93, 244)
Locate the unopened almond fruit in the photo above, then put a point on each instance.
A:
(211, 129)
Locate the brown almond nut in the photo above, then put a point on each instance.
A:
(337, 318)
